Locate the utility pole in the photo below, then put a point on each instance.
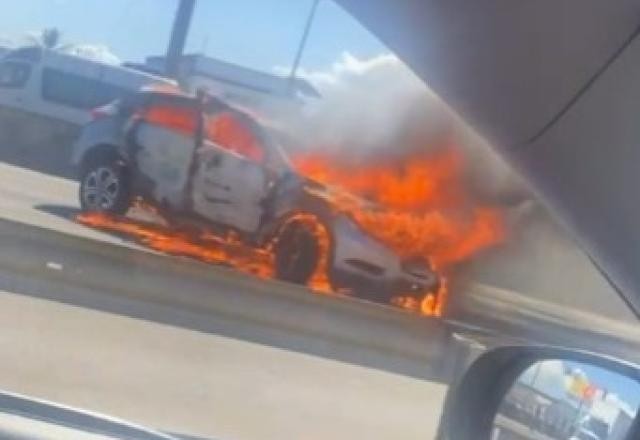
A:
(181, 24)
(301, 46)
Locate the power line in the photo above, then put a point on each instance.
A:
(303, 43)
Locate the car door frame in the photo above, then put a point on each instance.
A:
(222, 151)
(143, 184)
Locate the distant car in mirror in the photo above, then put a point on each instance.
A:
(540, 393)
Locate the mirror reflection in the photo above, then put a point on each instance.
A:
(566, 400)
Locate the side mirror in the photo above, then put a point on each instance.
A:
(539, 393)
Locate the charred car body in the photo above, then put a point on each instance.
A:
(204, 162)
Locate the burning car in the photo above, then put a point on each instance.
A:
(205, 164)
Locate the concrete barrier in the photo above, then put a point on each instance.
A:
(157, 279)
(482, 313)
(511, 316)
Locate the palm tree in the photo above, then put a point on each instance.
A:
(50, 38)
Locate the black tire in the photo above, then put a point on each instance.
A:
(297, 253)
(104, 185)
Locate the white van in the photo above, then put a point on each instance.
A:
(47, 96)
(62, 86)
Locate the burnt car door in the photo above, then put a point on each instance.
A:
(230, 180)
(162, 146)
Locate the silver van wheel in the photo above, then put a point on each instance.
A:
(101, 189)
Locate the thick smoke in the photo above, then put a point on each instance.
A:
(364, 104)
(542, 260)
(376, 107)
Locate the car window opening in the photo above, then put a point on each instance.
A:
(226, 130)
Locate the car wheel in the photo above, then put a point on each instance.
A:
(296, 253)
(104, 187)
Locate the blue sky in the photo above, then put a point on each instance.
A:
(259, 34)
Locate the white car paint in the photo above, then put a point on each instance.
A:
(228, 188)
(352, 244)
(164, 157)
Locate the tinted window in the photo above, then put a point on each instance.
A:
(77, 91)
(14, 74)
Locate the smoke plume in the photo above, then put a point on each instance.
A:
(377, 107)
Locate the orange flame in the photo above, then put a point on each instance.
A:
(422, 208)
(213, 248)
(407, 183)
(204, 246)
(425, 210)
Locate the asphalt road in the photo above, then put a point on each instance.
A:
(42, 200)
(197, 382)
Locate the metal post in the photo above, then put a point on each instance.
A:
(303, 43)
(181, 24)
(536, 373)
